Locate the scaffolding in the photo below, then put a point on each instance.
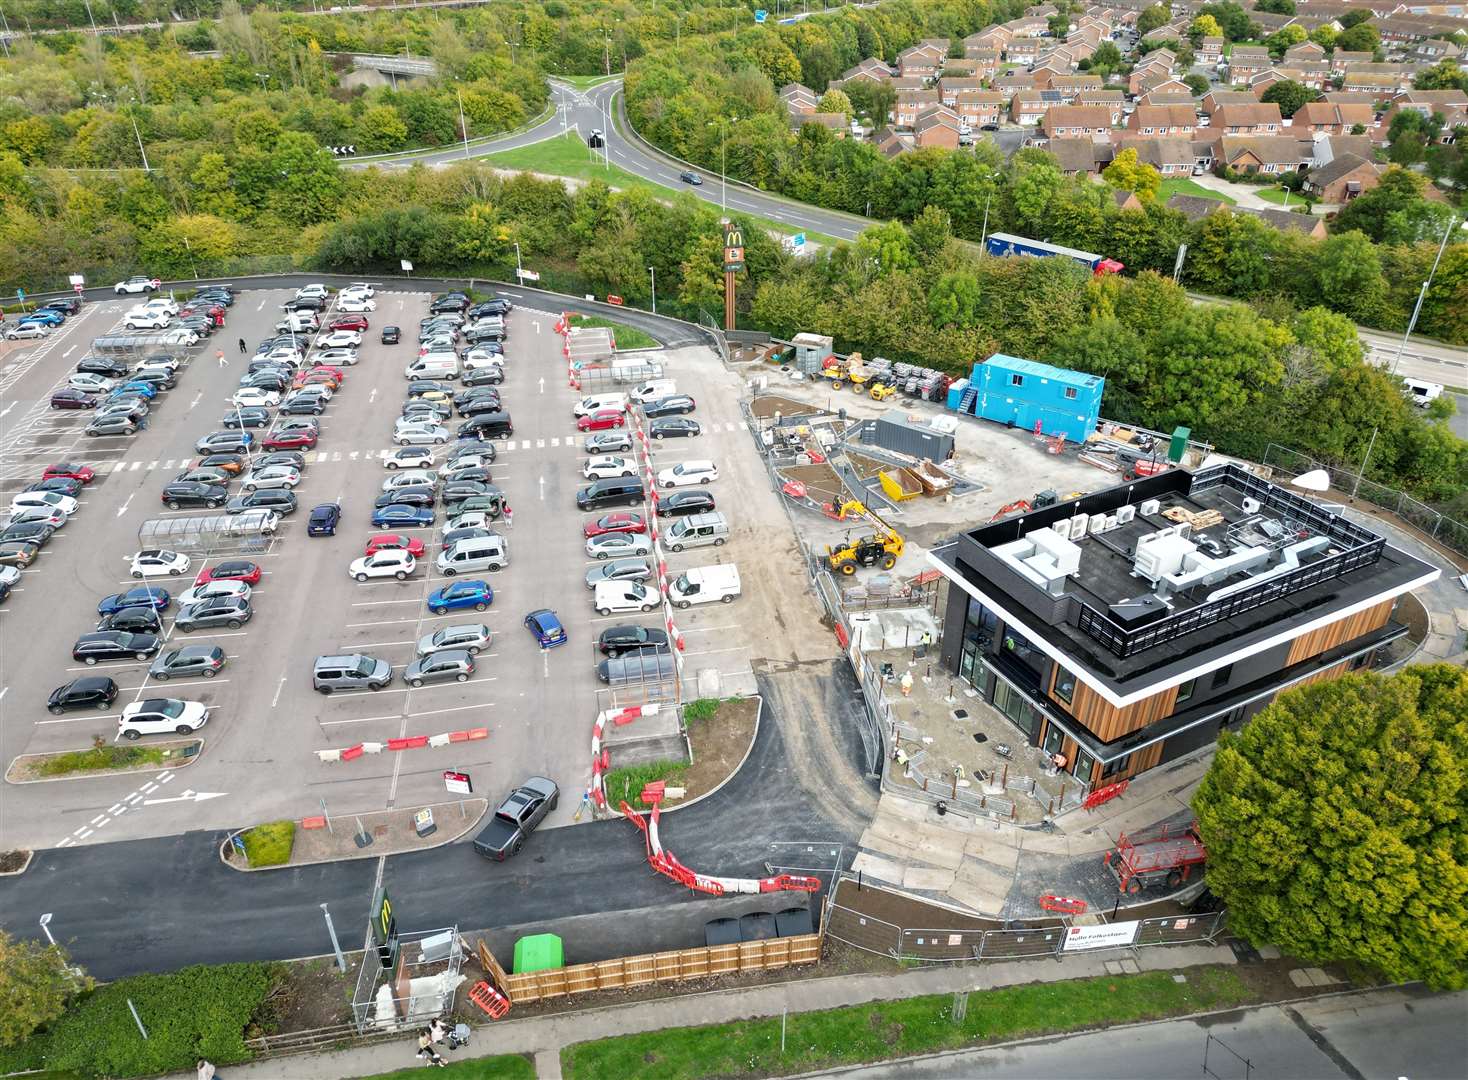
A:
(250, 533)
(419, 986)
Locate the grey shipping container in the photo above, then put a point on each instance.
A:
(892, 431)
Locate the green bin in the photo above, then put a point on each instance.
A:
(538, 952)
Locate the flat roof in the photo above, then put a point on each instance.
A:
(1043, 371)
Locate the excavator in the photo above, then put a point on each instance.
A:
(882, 547)
(849, 371)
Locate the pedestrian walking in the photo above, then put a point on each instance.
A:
(223, 361)
(508, 515)
(906, 683)
(243, 347)
(437, 1031)
(426, 1050)
(207, 1071)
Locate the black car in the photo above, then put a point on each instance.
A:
(199, 324)
(67, 398)
(487, 452)
(282, 502)
(134, 620)
(449, 302)
(266, 380)
(490, 503)
(216, 294)
(492, 375)
(428, 386)
(416, 495)
(305, 303)
(391, 335)
(475, 406)
(34, 532)
(61, 485)
(67, 305)
(481, 335)
(183, 493)
(251, 417)
(690, 178)
(681, 503)
(498, 306)
(459, 490)
(114, 645)
(102, 365)
(673, 427)
(88, 692)
(294, 458)
(615, 640)
(418, 408)
(469, 472)
(157, 378)
(673, 405)
(476, 392)
(307, 405)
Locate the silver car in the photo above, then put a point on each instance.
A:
(456, 664)
(470, 637)
(618, 570)
(617, 545)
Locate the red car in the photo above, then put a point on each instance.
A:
(69, 470)
(326, 369)
(623, 521)
(386, 541)
(230, 570)
(349, 322)
(601, 420)
(315, 378)
(67, 398)
(290, 440)
(213, 312)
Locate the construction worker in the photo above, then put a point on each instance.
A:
(906, 683)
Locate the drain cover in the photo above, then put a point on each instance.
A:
(960, 714)
(980, 737)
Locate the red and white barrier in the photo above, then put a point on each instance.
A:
(410, 742)
(666, 863)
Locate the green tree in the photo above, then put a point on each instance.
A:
(1233, 18)
(835, 101)
(884, 248)
(1290, 96)
(1444, 75)
(1204, 26)
(1348, 275)
(930, 232)
(1331, 339)
(1363, 37)
(1410, 132)
(480, 237)
(1354, 17)
(954, 300)
(1395, 211)
(1106, 58)
(1276, 7)
(1196, 84)
(1335, 827)
(1126, 173)
(380, 129)
(701, 275)
(310, 184)
(1153, 17)
(1284, 38)
(35, 986)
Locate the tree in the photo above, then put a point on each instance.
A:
(1106, 58)
(1126, 173)
(1276, 7)
(35, 985)
(1348, 275)
(1232, 18)
(1204, 26)
(954, 300)
(380, 129)
(701, 275)
(1153, 17)
(311, 186)
(1363, 37)
(835, 101)
(1354, 17)
(1196, 84)
(1335, 829)
(1410, 133)
(1284, 38)
(1395, 211)
(1290, 96)
(885, 248)
(1444, 75)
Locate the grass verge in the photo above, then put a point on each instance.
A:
(627, 337)
(1279, 196)
(627, 783)
(585, 82)
(102, 757)
(269, 844)
(893, 1029)
(1179, 185)
(503, 1067)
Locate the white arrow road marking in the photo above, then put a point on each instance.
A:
(188, 796)
(542, 390)
(12, 405)
(124, 506)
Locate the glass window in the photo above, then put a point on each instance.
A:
(1111, 768)
(1065, 685)
(1185, 691)
(1070, 393)
(1220, 677)
(1016, 380)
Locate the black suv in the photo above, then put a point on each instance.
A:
(681, 503)
(391, 335)
(88, 692)
(454, 301)
(114, 645)
(102, 365)
(182, 493)
(134, 620)
(497, 306)
(615, 640)
(282, 502)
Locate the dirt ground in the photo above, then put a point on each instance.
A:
(719, 744)
(313, 994)
(11, 861)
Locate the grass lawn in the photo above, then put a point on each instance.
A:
(627, 783)
(503, 1067)
(1278, 196)
(100, 759)
(270, 844)
(627, 337)
(585, 82)
(892, 1029)
(1179, 185)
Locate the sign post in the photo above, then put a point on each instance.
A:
(407, 266)
(384, 926)
(733, 263)
(458, 783)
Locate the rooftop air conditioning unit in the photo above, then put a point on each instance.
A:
(1124, 514)
(1150, 507)
(1251, 506)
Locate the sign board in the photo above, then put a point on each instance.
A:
(760, 15)
(733, 247)
(76, 279)
(529, 275)
(796, 243)
(382, 921)
(238, 842)
(617, 300)
(406, 265)
(458, 783)
(1110, 936)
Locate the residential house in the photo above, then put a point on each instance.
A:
(1195, 207)
(1080, 156)
(1451, 105)
(1163, 120)
(990, 39)
(1028, 107)
(1246, 61)
(950, 88)
(1115, 99)
(1343, 179)
(1305, 50)
(1342, 59)
(1126, 200)
(871, 70)
(1270, 23)
(1216, 99)
(1070, 87)
(1163, 85)
(834, 122)
(1029, 26)
(908, 82)
(979, 108)
(1011, 82)
(1024, 50)
(1434, 50)
(923, 61)
(799, 98)
(1090, 627)
(1169, 156)
(1349, 97)
(936, 126)
(1177, 30)
(1406, 30)
(1288, 221)
(1271, 154)
(1326, 148)
(985, 61)
(1087, 36)
(960, 67)
(892, 143)
(1260, 118)
(1169, 97)
(1323, 116)
(1202, 145)
(911, 102)
(1379, 84)
(1210, 49)
(1078, 122)
(1054, 63)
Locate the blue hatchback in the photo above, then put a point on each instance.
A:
(400, 515)
(142, 596)
(461, 594)
(323, 520)
(45, 316)
(136, 386)
(546, 627)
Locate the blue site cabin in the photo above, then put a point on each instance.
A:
(1022, 393)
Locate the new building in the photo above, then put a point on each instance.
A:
(1129, 627)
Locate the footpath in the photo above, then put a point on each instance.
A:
(544, 1037)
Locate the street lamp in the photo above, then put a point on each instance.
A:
(984, 230)
(724, 161)
(653, 273)
(45, 921)
(139, 136)
(463, 128)
(341, 961)
(1421, 296)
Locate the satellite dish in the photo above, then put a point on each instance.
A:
(1314, 480)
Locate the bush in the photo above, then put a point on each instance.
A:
(101, 756)
(270, 844)
(702, 709)
(627, 784)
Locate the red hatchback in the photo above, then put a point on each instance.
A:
(326, 369)
(69, 470)
(230, 570)
(601, 420)
(349, 322)
(621, 522)
(290, 440)
(393, 541)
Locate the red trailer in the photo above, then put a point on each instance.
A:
(1166, 855)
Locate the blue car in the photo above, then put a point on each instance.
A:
(401, 515)
(546, 627)
(136, 386)
(45, 316)
(141, 596)
(461, 594)
(323, 520)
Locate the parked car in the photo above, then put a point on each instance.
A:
(271, 476)
(88, 692)
(620, 522)
(225, 442)
(683, 503)
(608, 442)
(138, 283)
(601, 420)
(339, 338)
(203, 661)
(279, 501)
(232, 570)
(616, 640)
(88, 383)
(18, 552)
(253, 417)
(472, 638)
(605, 465)
(673, 427)
(27, 332)
(391, 562)
(356, 322)
(230, 611)
(687, 473)
(183, 493)
(455, 664)
(210, 590)
(618, 570)
(672, 405)
(618, 545)
(290, 439)
(72, 398)
(386, 541)
(229, 464)
(142, 596)
(155, 562)
(162, 716)
(134, 620)
(69, 470)
(472, 593)
(409, 457)
(399, 516)
(114, 645)
(249, 395)
(485, 376)
(516, 817)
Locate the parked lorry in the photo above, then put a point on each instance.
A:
(514, 821)
(704, 585)
(1008, 244)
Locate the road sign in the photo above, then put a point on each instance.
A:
(406, 265)
(458, 783)
(760, 15)
(78, 289)
(796, 243)
(76, 279)
(617, 300)
(529, 275)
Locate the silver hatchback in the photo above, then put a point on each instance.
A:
(470, 637)
(454, 664)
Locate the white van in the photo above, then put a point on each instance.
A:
(596, 402)
(704, 585)
(697, 530)
(433, 366)
(1421, 394)
(651, 391)
(613, 596)
(472, 555)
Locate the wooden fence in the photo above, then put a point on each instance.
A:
(629, 972)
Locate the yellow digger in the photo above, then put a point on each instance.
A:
(881, 391)
(846, 372)
(882, 547)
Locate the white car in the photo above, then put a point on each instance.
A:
(316, 291)
(410, 478)
(51, 500)
(162, 716)
(419, 433)
(605, 465)
(181, 336)
(468, 460)
(355, 303)
(302, 323)
(339, 339)
(687, 473)
(212, 589)
(92, 384)
(159, 362)
(335, 357)
(156, 563)
(475, 359)
(471, 637)
(389, 562)
(160, 303)
(30, 331)
(359, 288)
(472, 519)
(9, 575)
(285, 354)
(272, 476)
(146, 320)
(618, 545)
(254, 395)
(409, 457)
(612, 596)
(136, 284)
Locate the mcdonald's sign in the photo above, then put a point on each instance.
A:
(733, 247)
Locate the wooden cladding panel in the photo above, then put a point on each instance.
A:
(1339, 632)
(1107, 722)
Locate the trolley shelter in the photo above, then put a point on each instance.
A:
(137, 346)
(211, 534)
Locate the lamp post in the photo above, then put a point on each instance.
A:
(139, 136)
(45, 921)
(190, 249)
(463, 128)
(653, 273)
(724, 161)
(984, 230)
(341, 961)
(1422, 295)
(263, 77)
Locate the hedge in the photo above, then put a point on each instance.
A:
(270, 844)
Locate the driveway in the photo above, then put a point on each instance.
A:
(1241, 194)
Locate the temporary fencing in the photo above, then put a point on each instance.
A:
(666, 863)
(410, 742)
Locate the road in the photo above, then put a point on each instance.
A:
(1402, 1033)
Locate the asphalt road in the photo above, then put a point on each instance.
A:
(1389, 1033)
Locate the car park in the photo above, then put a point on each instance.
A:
(201, 661)
(673, 405)
(687, 473)
(162, 716)
(141, 596)
(616, 640)
(613, 596)
(618, 545)
(392, 562)
(673, 427)
(88, 692)
(271, 476)
(323, 520)
(182, 493)
(210, 590)
(230, 611)
(107, 645)
(155, 562)
(278, 501)
(461, 595)
(618, 570)
(447, 665)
